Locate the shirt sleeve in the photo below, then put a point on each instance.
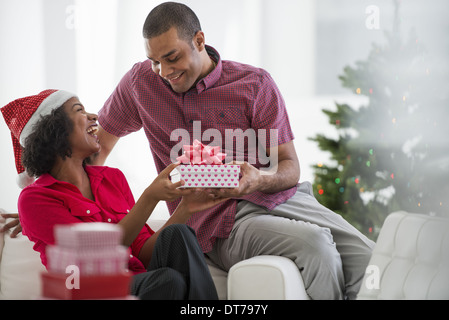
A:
(269, 113)
(146, 231)
(39, 213)
(119, 115)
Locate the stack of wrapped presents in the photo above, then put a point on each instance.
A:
(87, 262)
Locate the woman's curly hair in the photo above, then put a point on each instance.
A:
(48, 140)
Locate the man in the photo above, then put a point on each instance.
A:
(184, 85)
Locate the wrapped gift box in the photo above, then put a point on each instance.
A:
(99, 261)
(202, 167)
(210, 176)
(90, 287)
(88, 235)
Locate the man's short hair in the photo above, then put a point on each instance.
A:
(171, 14)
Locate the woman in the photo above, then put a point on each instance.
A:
(58, 135)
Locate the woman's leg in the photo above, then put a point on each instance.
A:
(160, 284)
(177, 248)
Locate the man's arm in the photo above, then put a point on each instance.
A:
(282, 176)
(287, 172)
(107, 143)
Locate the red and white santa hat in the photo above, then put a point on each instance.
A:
(22, 114)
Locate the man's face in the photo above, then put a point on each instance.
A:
(175, 60)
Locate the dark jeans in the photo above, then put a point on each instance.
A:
(177, 269)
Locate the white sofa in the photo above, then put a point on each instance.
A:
(264, 277)
(410, 260)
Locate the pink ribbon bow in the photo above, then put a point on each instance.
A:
(198, 153)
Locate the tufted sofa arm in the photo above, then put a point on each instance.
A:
(410, 259)
(266, 278)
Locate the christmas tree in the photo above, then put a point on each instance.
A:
(392, 153)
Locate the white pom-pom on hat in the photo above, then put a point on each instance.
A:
(24, 179)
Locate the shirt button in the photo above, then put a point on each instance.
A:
(127, 210)
(88, 211)
(109, 220)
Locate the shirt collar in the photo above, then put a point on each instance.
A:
(95, 173)
(211, 79)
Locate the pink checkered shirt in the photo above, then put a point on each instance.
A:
(232, 96)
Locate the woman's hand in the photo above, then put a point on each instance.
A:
(163, 189)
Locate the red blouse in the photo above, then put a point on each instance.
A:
(48, 202)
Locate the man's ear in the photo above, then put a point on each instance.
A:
(199, 41)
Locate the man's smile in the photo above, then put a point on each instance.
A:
(174, 79)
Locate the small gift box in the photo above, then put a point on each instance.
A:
(88, 235)
(202, 167)
(210, 176)
(99, 261)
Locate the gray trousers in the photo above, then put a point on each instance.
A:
(177, 269)
(330, 253)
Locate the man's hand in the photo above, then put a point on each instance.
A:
(283, 175)
(14, 224)
(249, 182)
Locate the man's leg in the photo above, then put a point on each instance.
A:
(304, 231)
(309, 246)
(355, 248)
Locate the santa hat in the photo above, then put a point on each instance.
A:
(22, 114)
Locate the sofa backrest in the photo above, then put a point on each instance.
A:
(20, 268)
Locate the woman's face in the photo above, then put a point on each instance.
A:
(83, 139)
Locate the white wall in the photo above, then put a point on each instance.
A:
(107, 41)
(87, 45)
(22, 71)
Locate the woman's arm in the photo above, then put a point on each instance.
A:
(194, 202)
(160, 189)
